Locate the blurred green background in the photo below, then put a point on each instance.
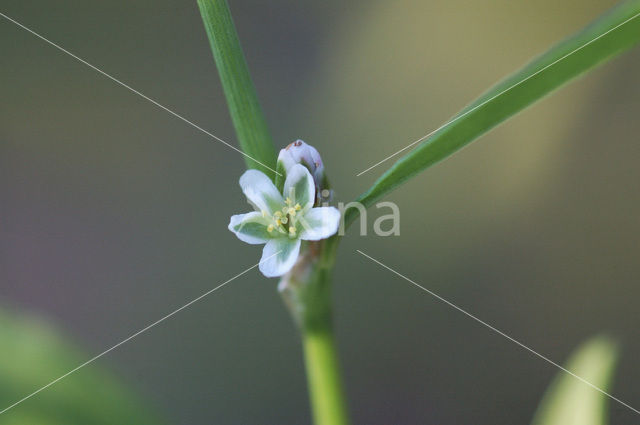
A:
(113, 213)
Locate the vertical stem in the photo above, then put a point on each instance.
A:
(323, 374)
(308, 299)
(306, 290)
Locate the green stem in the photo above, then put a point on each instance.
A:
(306, 290)
(246, 114)
(308, 298)
(323, 374)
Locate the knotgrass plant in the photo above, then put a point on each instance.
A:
(576, 397)
(306, 287)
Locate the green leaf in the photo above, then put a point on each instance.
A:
(569, 401)
(612, 33)
(32, 355)
(246, 114)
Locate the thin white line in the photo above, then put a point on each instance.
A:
(499, 94)
(501, 333)
(175, 114)
(135, 335)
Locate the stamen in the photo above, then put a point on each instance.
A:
(298, 207)
(270, 228)
(292, 211)
(292, 230)
(277, 214)
(278, 222)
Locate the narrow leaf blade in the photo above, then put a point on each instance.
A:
(246, 114)
(569, 401)
(612, 33)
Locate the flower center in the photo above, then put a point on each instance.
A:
(284, 220)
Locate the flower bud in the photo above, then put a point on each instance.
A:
(299, 152)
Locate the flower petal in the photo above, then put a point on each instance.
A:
(319, 223)
(279, 256)
(250, 228)
(299, 186)
(261, 191)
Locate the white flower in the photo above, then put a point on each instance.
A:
(282, 221)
